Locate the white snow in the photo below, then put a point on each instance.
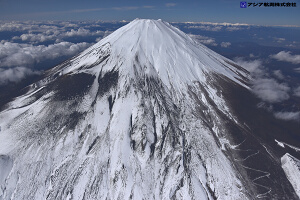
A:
(279, 143)
(283, 144)
(293, 147)
(291, 167)
(164, 50)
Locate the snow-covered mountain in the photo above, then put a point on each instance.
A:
(146, 113)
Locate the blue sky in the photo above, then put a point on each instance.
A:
(188, 10)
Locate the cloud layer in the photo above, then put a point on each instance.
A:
(225, 44)
(17, 60)
(270, 90)
(265, 87)
(14, 74)
(39, 32)
(204, 39)
(297, 92)
(288, 115)
(14, 54)
(31, 44)
(278, 74)
(287, 57)
(56, 35)
(206, 28)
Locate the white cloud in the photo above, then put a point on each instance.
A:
(15, 55)
(297, 70)
(206, 28)
(98, 39)
(287, 57)
(126, 8)
(170, 4)
(287, 115)
(204, 39)
(34, 37)
(14, 74)
(279, 40)
(297, 91)
(278, 74)
(68, 24)
(53, 35)
(78, 32)
(270, 90)
(106, 33)
(14, 26)
(234, 28)
(57, 35)
(264, 87)
(210, 42)
(225, 44)
(251, 55)
(31, 26)
(3, 41)
(254, 66)
(221, 24)
(149, 7)
(38, 32)
(18, 60)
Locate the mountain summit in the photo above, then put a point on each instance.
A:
(154, 48)
(143, 114)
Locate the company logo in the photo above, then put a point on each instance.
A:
(243, 4)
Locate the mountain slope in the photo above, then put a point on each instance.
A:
(139, 115)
